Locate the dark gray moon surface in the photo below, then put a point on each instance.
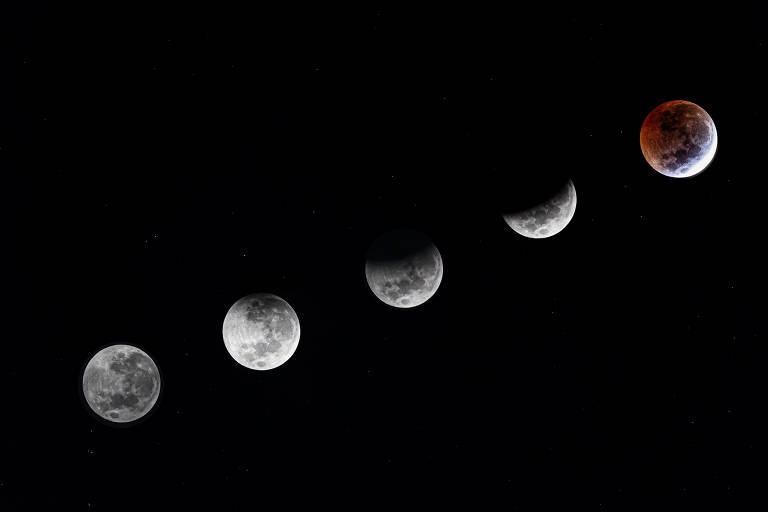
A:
(261, 331)
(403, 268)
(121, 383)
(678, 139)
(547, 218)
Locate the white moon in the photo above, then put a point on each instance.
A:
(547, 218)
(404, 268)
(121, 383)
(261, 331)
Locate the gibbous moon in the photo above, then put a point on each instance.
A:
(547, 218)
(403, 268)
(678, 139)
(261, 331)
(121, 383)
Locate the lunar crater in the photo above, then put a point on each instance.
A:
(121, 383)
(403, 268)
(261, 331)
(548, 218)
(678, 139)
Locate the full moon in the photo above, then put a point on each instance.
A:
(403, 268)
(121, 383)
(678, 139)
(261, 331)
(547, 218)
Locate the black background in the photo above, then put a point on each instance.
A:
(161, 161)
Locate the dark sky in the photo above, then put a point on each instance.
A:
(159, 162)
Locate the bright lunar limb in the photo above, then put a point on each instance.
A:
(403, 268)
(547, 218)
(261, 331)
(121, 383)
(678, 139)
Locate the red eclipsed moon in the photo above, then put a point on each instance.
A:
(678, 139)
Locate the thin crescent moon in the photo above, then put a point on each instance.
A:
(706, 160)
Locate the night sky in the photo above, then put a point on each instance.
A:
(159, 162)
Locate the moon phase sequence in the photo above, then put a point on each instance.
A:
(678, 139)
(121, 383)
(403, 268)
(548, 218)
(261, 331)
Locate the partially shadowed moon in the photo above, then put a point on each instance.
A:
(403, 268)
(261, 331)
(547, 218)
(121, 383)
(678, 139)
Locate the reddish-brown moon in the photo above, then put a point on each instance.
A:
(678, 139)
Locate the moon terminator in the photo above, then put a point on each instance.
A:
(678, 139)
(547, 218)
(403, 268)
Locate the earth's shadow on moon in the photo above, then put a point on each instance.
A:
(643, 119)
(393, 245)
(241, 311)
(117, 424)
(510, 194)
(397, 245)
(688, 177)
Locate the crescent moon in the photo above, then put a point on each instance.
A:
(548, 218)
